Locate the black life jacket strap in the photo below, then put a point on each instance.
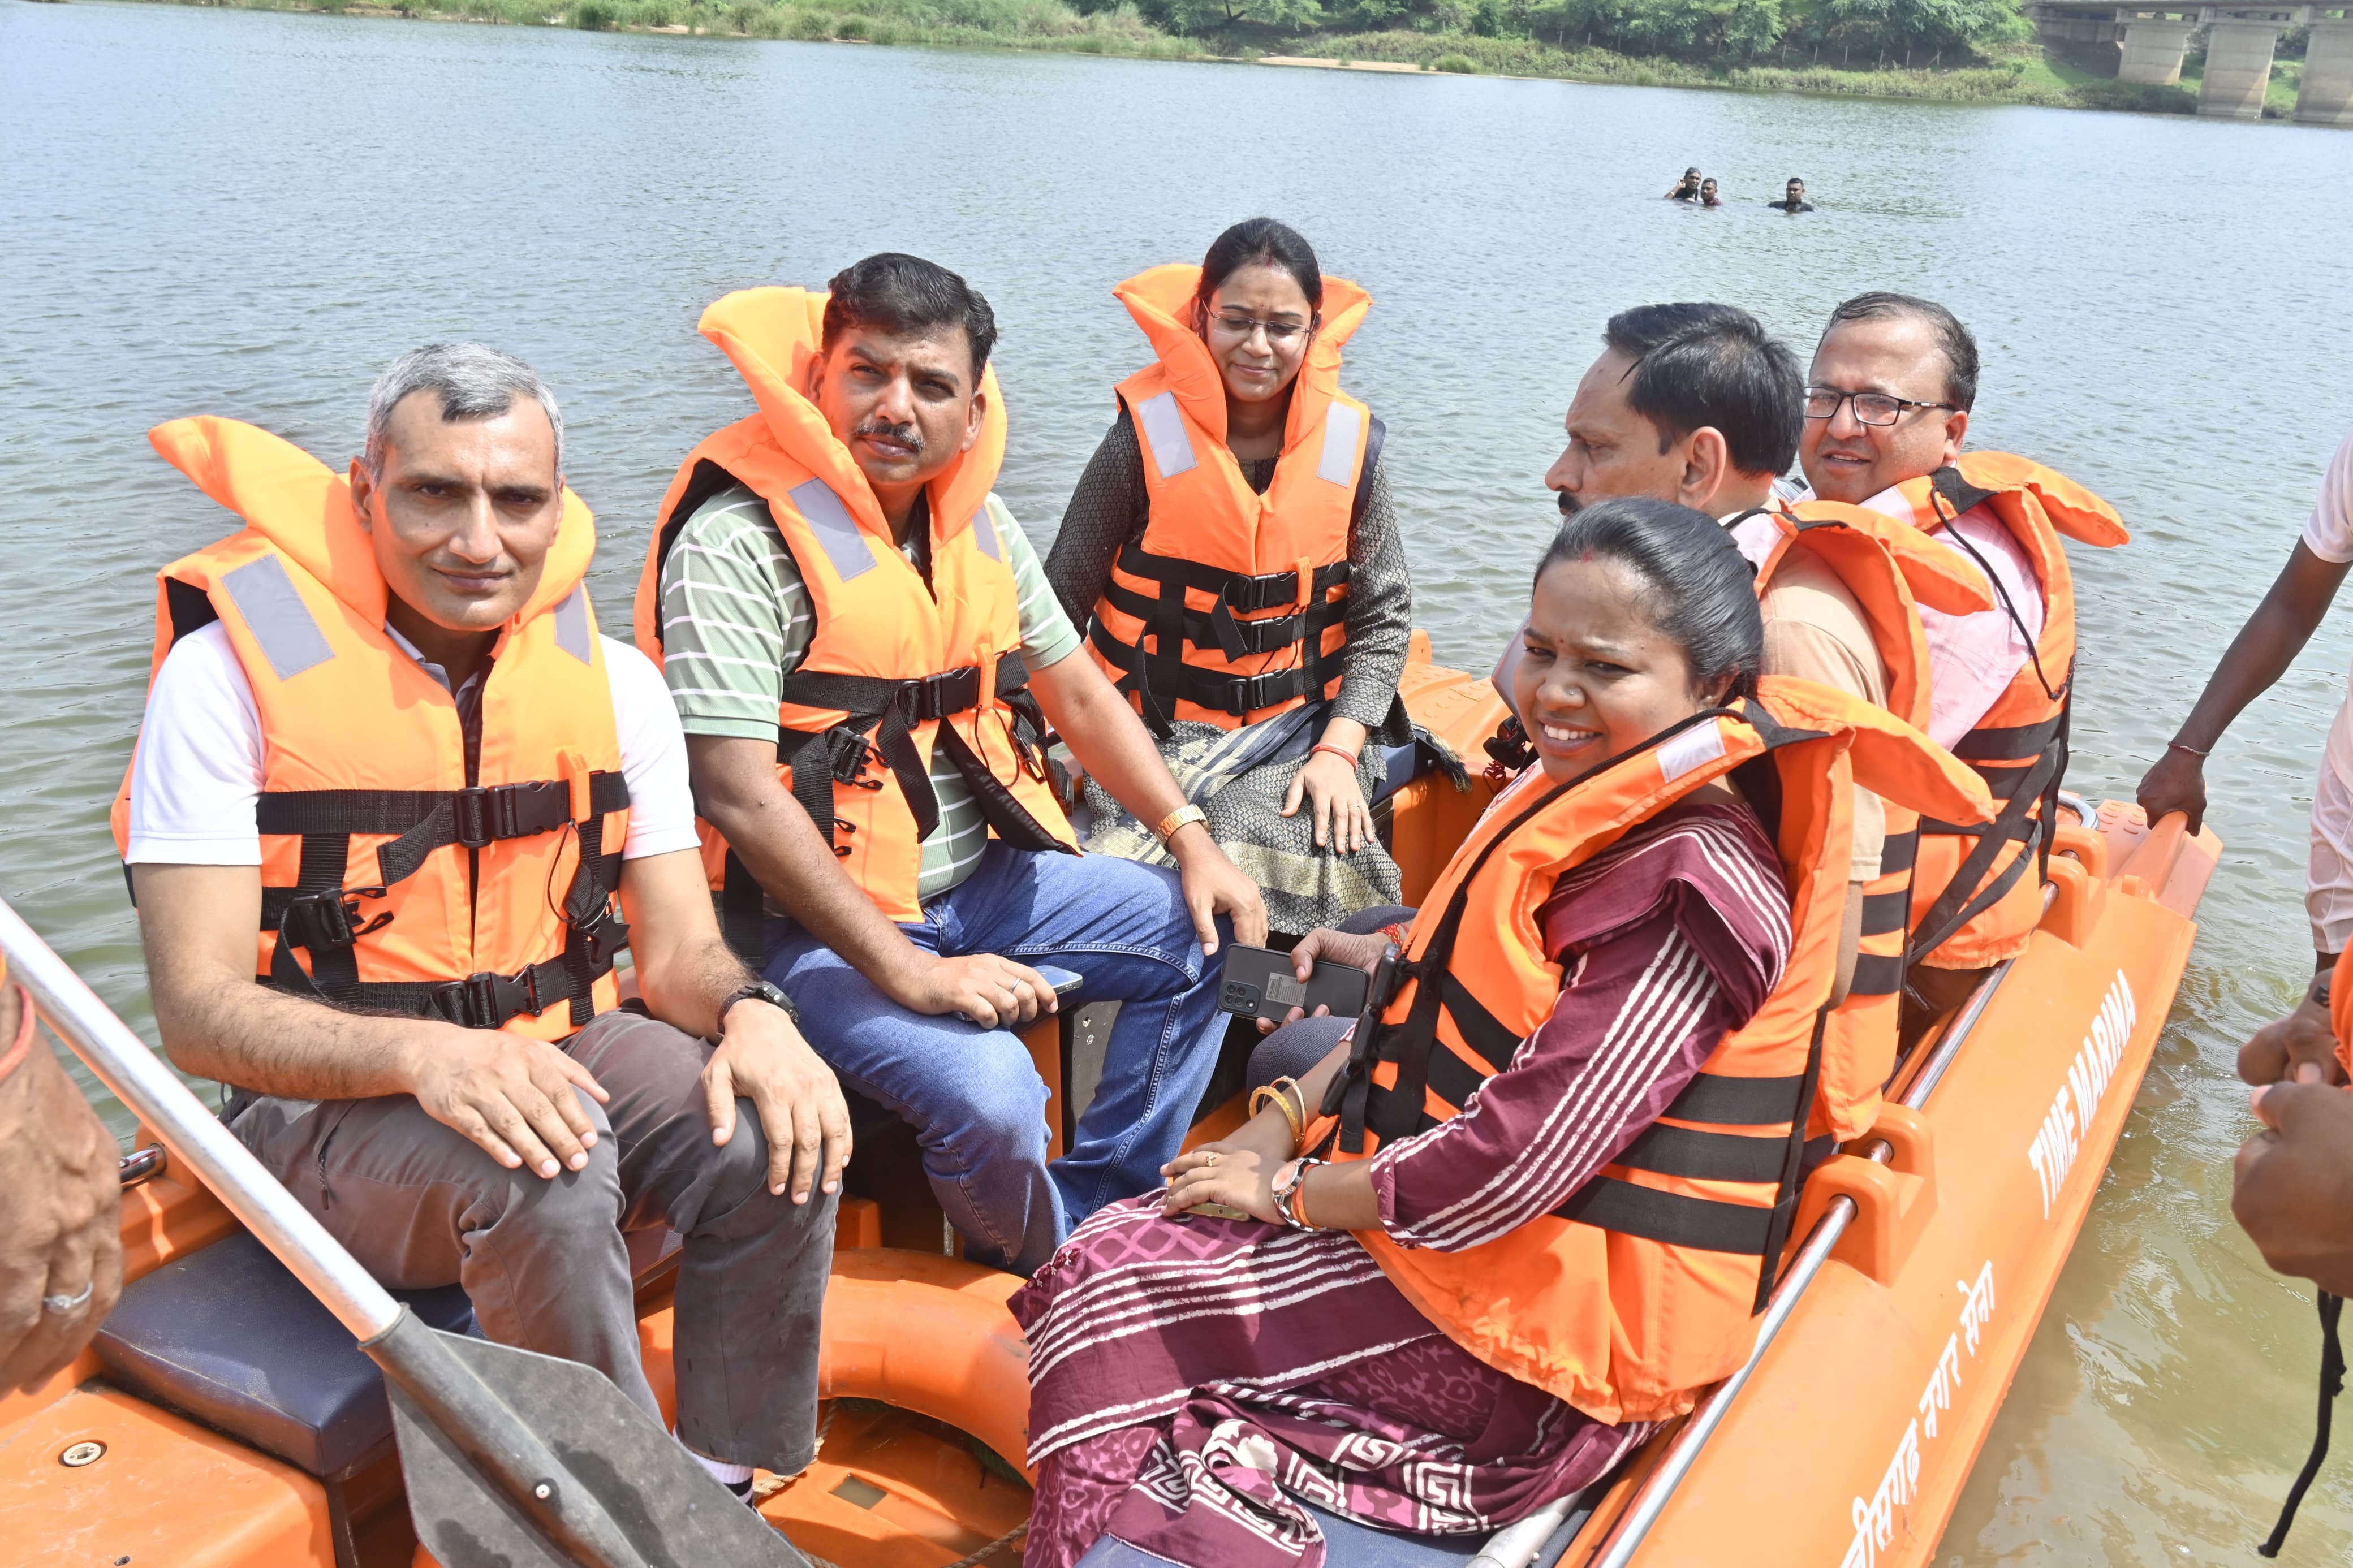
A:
(2332, 1383)
(1962, 497)
(2021, 823)
(889, 710)
(1161, 675)
(1412, 1043)
(1712, 1224)
(327, 920)
(742, 915)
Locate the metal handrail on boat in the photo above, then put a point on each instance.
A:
(1684, 1448)
(126, 1064)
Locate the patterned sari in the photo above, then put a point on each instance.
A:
(1192, 1378)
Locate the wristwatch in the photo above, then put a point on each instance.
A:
(1184, 816)
(765, 993)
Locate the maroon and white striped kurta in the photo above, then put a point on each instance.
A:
(1191, 1377)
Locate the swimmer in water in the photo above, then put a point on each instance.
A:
(1687, 188)
(1796, 198)
(1707, 194)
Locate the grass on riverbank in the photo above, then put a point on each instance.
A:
(2029, 76)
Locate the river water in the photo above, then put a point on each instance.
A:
(246, 214)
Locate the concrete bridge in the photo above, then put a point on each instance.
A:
(2151, 37)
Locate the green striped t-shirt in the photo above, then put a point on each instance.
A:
(736, 619)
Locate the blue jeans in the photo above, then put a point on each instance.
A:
(975, 1102)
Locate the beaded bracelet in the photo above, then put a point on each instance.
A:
(1279, 1093)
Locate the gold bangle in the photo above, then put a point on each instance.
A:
(1177, 818)
(1278, 1092)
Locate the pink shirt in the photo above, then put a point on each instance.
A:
(1973, 658)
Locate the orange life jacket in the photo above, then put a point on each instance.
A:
(1242, 598)
(409, 882)
(1638, 1291)
(1890, 568)
(1972, 903)
(897, 667)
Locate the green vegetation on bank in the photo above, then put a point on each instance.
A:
(1950, 51)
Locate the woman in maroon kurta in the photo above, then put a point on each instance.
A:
(1194, 1375)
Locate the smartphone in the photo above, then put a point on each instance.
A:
(1259, 984)
(1063, 981)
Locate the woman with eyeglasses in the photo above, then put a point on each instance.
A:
(1232, 549)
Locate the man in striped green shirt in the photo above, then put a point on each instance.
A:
(919, 1014)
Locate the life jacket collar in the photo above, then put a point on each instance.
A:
(775, 337)
(304, 508)
(1161, 300)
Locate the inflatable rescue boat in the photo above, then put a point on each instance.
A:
(226, 1419)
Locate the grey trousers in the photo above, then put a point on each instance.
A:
(543, 1260)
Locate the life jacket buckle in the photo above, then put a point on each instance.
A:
(331, 920)
(603, 938)
(487, 1000)
(478, 811)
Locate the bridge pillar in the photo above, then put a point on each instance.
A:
(2326, 98)
(2153, 50)
(2238, 68)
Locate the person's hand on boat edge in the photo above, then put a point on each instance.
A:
(60, 1208)
(2175, 782)
(2291, 1183)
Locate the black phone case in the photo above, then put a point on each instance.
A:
(1259, 984)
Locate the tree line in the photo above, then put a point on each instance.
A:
(1845, 32)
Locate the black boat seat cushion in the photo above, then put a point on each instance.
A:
(230, 1337)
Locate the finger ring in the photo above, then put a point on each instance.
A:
(61, 1305)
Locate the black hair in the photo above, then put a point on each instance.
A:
(900, 293)
(1795, 180)
(1261, 240)
(1953, 340)
(1698, 588)
(1704, 364)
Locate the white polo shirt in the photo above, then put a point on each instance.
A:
(198, 775)
(2329, 877)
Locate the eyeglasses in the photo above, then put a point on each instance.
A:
(1278, 334)
(1870, 407)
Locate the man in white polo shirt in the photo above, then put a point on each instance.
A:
(2302, 1044)
(386, 739)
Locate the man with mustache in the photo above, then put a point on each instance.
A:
(866, 654)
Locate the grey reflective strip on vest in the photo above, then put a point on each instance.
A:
(1164, 432)
(836, 530)
(273, 611)
(1342, 426)
(572, 624)
(984, 533)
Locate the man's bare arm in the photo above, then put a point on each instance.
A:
(197, 925)
(511, 1095)
(686, 973)
(737, 791)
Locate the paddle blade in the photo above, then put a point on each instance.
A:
(596, 1453)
